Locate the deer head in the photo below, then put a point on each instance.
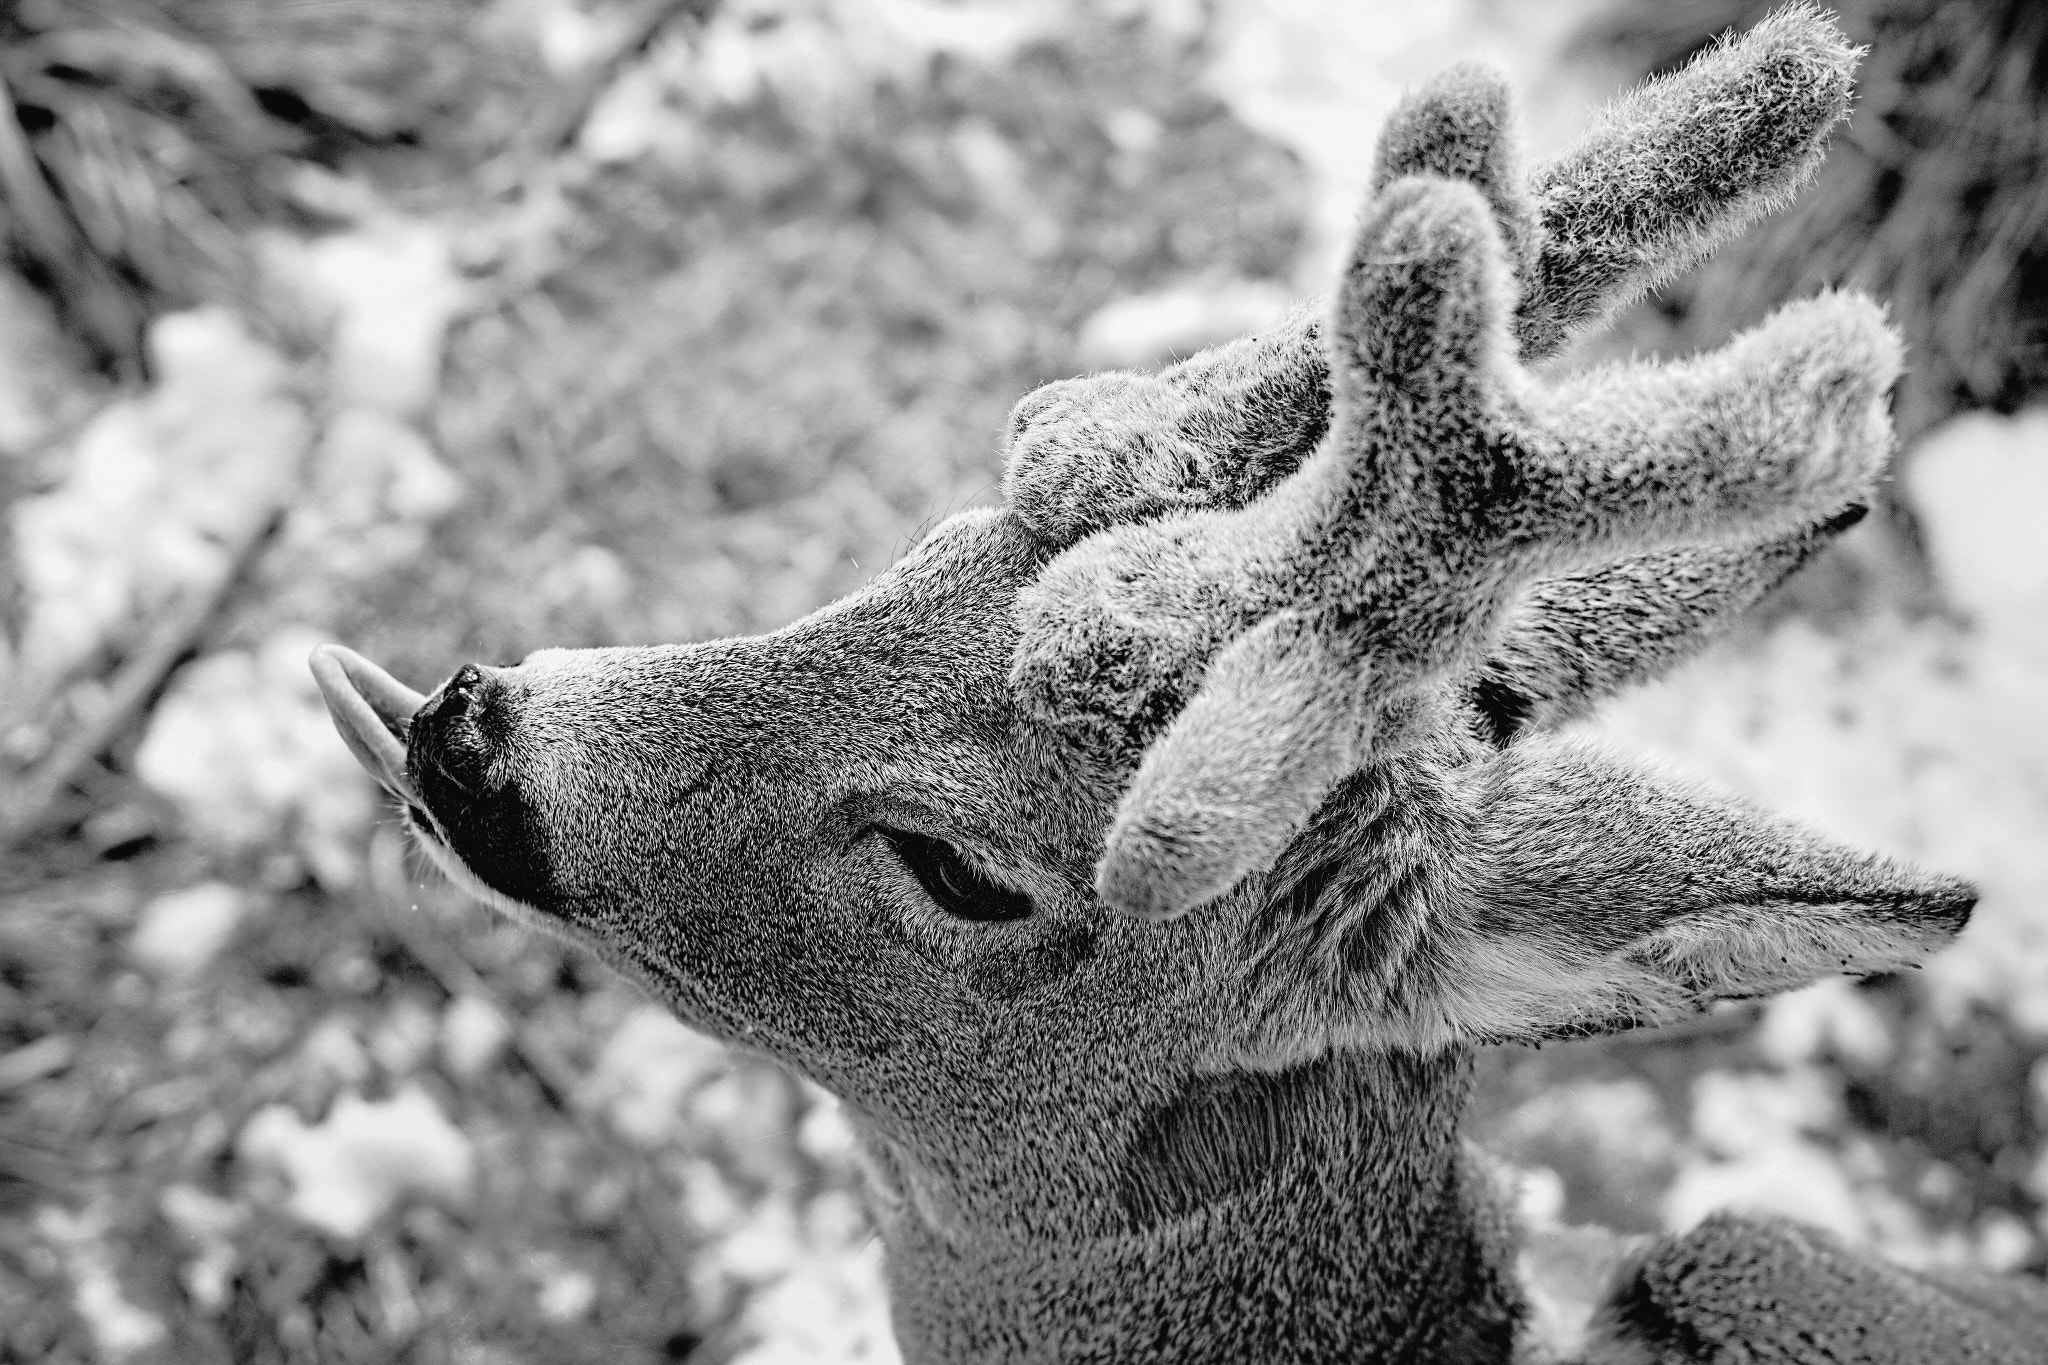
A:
(1198, 809)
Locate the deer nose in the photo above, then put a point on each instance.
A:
(457, 737)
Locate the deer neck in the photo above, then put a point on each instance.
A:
(1323, 1213)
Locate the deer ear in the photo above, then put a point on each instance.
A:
(1603, 895)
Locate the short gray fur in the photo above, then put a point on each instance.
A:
(1299, 837)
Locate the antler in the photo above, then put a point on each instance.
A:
(1259, 647)
(1666, 173)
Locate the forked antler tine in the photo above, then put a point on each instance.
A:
(1450, 472)
(1460, 125)
(1665, 174)
(1782, 426)
(1448, 481)
(1284, 712)
(1115, 633)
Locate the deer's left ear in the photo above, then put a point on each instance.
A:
(1600, 894)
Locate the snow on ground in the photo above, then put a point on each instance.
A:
(1924, 744)
(161, 486)
(1322, 78)
(1980, 482)
(346, 1170)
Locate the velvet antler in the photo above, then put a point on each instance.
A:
(1280, 629)
(1666, 173)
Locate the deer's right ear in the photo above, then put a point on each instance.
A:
(1595, 895)
(1604, 894)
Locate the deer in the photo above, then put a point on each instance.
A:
(1143, 861)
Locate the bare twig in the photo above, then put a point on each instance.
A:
(451, 969)
(177, 635)
(562, 118)
(35, 205)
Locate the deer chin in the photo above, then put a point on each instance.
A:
(376, 716)
(430, 841)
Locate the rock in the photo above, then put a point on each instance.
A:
(179, 934)
(367, 1156)
(1980, 485)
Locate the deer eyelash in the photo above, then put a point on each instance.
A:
(953, 883)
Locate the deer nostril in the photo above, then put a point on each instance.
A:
(464, 693)
(465, 683)
(453, 739)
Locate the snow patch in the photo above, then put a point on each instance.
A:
(1145, 329)
(120, 1329)
(647, 1069)
(179, 934)
(162, 488)
(367, 1156)
(390, 289)
(242, 743)
(1980, 485)
(209, 1225)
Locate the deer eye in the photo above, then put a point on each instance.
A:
(952, 881)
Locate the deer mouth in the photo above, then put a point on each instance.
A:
(442, 758)
(373, 711)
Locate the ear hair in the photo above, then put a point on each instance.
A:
(1578, 638)
(1550, 891)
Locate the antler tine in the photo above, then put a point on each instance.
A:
(1449, 480)
(1680, 164)
(1665, 174)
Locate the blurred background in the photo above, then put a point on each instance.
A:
(453, 328)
